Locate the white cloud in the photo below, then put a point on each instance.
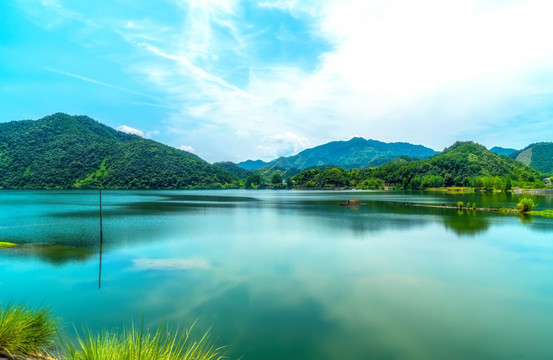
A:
(427, 72)
(130, 130)
(282, 144)
(242, 133)
(170, 264)
(149, 134)
(186, 148)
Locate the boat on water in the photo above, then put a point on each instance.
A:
(351, 202)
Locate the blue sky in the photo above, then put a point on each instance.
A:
(237, 80)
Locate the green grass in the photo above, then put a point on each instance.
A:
(544, 213)
(136, 343)
(25, 331)
(4, 244)
(453, 189)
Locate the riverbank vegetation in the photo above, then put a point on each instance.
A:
(32, 333)
(5, 244)
(25, 331)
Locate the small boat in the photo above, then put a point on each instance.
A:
(351, 202)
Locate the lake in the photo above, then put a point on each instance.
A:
(291, 274)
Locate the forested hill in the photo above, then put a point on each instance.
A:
(355, 153)
(462, 164)
(63, 152)
(538, 155)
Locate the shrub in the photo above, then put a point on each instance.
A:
(525, 205)
(24, 331)
(460, 204)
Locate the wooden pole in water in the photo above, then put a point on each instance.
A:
(101, 242)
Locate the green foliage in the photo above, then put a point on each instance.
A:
(133, 343)
(25, 331)
(543, 213)
(64, 152)
(253, 181)
(473, 206)
(234, 169)
(4, 244)
(460, 204)
(289, 183)
(538, 155)
(464, 164)
(526, 204)
(276, 179)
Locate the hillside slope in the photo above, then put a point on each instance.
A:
(538, 156)
(63, 152)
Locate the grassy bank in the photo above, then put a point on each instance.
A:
(543, 213)
(32, 333)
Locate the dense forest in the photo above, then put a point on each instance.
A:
(462, 164)
(64, 152)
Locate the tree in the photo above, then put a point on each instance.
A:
(289, 182)
(276, 179)
(253, 181)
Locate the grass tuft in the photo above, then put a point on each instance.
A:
(24, 331)
(135, 343)
(5, 244)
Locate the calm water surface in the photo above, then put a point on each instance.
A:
(291, 274)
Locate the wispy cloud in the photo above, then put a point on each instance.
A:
(101, 83)
(170, 264)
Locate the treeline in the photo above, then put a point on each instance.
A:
(463, 164)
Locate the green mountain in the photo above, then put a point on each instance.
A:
(538, 156)
(462, 164)
(64, 152)
(252, 164)
(355, 153)
(502, 151)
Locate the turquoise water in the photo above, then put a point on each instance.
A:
(291, 274)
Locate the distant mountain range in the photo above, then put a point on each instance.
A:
(502, 151)
(355, 153)
(65, 152)
(76, 152)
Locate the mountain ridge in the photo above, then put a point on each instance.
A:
(465, 164)
(354, 153)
